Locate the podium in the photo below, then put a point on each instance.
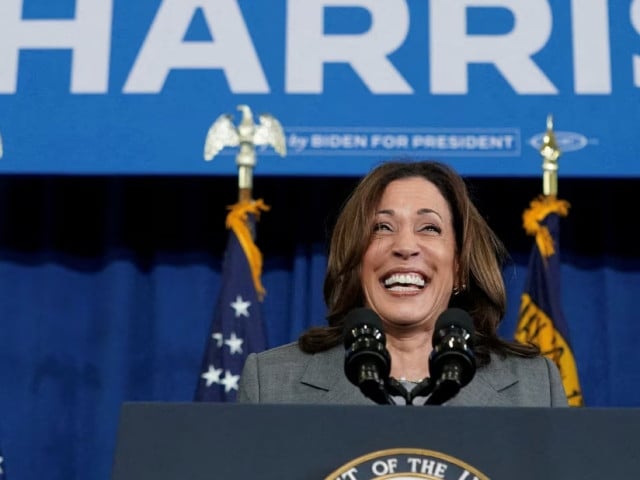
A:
(206, 441)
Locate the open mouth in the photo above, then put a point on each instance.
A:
(404, 281)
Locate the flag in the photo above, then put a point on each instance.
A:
(236, 328)
(541, 320)
(3, 475)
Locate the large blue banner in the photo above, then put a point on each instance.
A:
(131, 87)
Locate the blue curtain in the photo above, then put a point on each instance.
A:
(108, 285)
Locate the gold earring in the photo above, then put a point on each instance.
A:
(457, 289)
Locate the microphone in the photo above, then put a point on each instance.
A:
(367, 362)
(452, 363)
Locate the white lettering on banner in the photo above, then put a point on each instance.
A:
(463, 142)
(389, 141)
(88, 35)
(635, 21)
(452, 50)
(366, 141)
(308, 48)
(345, 140)
(164, 48)
(591, 57)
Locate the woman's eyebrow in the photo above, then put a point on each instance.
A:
(424, 211)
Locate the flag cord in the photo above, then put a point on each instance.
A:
(237, 221)
(533, 217)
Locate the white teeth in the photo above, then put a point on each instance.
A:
(404, 279)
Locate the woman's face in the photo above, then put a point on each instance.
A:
(409, 268)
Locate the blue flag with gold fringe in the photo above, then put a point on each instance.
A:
(237, 328)
(541, 320)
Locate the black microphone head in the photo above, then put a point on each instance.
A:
(360, 319)
(452, 357)
(367, 358)
(452, 317)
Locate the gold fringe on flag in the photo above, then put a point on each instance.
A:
(532, 218)
(237, 221)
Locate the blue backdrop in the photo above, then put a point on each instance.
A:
(112, 224)
(109, 284)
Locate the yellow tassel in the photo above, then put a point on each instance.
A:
(535, 215)
(237, 221)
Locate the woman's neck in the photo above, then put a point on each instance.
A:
(410, 356)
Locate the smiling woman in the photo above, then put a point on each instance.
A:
(410, 248)
(408, 271)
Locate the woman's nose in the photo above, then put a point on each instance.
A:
(405, 245)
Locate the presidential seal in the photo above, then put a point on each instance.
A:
(406, 464)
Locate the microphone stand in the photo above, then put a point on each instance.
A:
(372, 386)
(447, 386)
(438, 392)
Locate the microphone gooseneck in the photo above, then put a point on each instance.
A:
(367, 362)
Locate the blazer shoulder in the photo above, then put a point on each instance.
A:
(533, 377)
(283, 353)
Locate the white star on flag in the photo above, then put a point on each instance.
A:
(234, 343)
(230, 381)
(217, 336)
(241, 307)
(212, 375)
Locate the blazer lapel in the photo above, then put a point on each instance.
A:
(486, 386)
(325, 372)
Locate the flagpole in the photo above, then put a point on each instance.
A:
(246, 160)
(541, 321)
(246, 157)
(237, 328)
(550, 153)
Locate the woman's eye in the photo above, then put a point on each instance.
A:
(431, 228)
(379, 227)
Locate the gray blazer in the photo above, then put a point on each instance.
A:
(287, 375)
